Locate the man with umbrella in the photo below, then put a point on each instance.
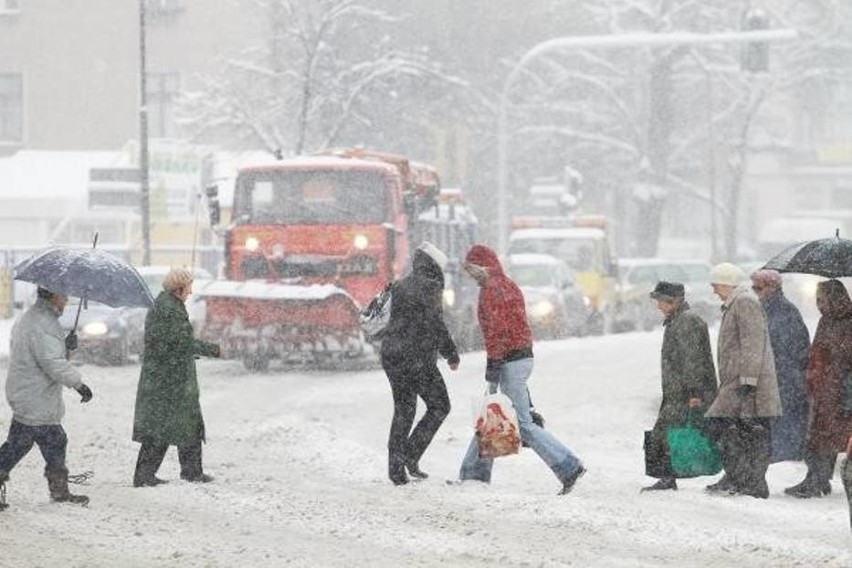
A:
(38, 369)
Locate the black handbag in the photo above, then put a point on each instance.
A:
(656, 460)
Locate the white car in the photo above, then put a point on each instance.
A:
(195, 305)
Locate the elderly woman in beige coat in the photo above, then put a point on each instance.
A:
(748, 389)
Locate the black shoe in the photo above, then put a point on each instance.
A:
(809, 491)
(153, 481)
(761, 491)
(415, 471)
(399, 479)
(662, 484)
(799, 487)
(723, 485)
(82, 500)
(568, 484)
(201, 478)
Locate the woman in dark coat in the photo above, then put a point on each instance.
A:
(168, 412)
(829, 363)
(688, 373)
(415, 335)
(790, 345)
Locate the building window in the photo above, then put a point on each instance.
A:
(11, 107)
(162, 91)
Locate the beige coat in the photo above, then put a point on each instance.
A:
(745, 357)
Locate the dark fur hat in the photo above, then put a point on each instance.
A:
(668, 291)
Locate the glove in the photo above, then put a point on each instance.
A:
(537, 418)
(744, 391)
(71, 341)
(85, 393)
(492, 374)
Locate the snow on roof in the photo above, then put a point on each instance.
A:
(568, 233)
(41, 174)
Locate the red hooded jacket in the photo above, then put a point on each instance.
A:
(501, 311)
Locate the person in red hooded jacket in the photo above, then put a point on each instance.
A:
(508, 346)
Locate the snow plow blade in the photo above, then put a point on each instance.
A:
(259, 321)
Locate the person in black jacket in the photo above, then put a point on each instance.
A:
(687, 371)
(415, 335)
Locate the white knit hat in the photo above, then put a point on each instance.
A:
(434, 253)
(727, 274)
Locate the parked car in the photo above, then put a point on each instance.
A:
(555, 305)
(638, 276)
(695, 277)
(154, 276)
(634, 308)
(105, 335)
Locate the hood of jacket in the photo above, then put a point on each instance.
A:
(485, 257)
(425, 266)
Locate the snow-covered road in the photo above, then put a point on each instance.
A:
(300, 463)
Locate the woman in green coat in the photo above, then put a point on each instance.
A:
(168, 412)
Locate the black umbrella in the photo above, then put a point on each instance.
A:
(830, 257)
(91, 274)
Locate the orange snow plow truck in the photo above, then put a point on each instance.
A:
(311, 240)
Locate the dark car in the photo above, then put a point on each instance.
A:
(555, 305)
(105, 335)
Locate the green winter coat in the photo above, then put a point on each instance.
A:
(167, 408)
(687, 369)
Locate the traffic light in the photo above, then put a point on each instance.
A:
(754, 56)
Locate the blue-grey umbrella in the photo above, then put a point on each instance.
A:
(86, 273)
(831, 257)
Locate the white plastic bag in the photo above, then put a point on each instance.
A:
(497, 427)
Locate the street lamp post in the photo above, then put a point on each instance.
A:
(601, 42)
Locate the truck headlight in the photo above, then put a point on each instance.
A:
(95, 328)
(360, 242)
(252, 244)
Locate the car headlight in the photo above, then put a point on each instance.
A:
(541, 309)
(587, 301)
(360, 242)
(449, 297)
(95, 328)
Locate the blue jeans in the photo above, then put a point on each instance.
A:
(51, 440)
(513, 383)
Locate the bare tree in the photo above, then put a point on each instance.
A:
(326, 65)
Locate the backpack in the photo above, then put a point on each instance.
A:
(374, 318)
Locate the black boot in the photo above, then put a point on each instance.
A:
(4, 477)
(568, 484)
(662, 484)
(415, 471)
(724, 484)
(57, 483)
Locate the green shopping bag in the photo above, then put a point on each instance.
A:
(691, 452)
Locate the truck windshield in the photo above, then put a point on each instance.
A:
(579, 254)
(309, 197)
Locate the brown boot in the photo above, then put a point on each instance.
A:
(57, 482)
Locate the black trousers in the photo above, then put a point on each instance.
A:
(151, 457)
(408, 380)
(51, 440)
(745, 446)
